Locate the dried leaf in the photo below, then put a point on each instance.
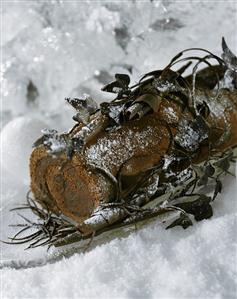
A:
(124, 79)
(203, 109)
(113, 87)
(154, 74)
(152, 100)
(113, 112)
(229, 58)
(176, 57)
(218, 189)
(209, 170)
(47, 133)
(118, 86)
(203, 180)
(91, 104)
(135, 111)
(83, 116)
(86, 103)
(183, 221)
(224, 163)
(200, 208)
(76, 103)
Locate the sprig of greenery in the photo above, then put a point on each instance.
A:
(185, 196)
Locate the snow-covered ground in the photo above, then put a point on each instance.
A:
(57, 49)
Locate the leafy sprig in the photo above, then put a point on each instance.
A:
(181, 179)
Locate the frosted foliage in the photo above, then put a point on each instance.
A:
(57, 49)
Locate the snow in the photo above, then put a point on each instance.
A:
(17, 139)
(66, 49)
(199, 262)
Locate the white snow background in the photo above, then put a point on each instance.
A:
(67, 48)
